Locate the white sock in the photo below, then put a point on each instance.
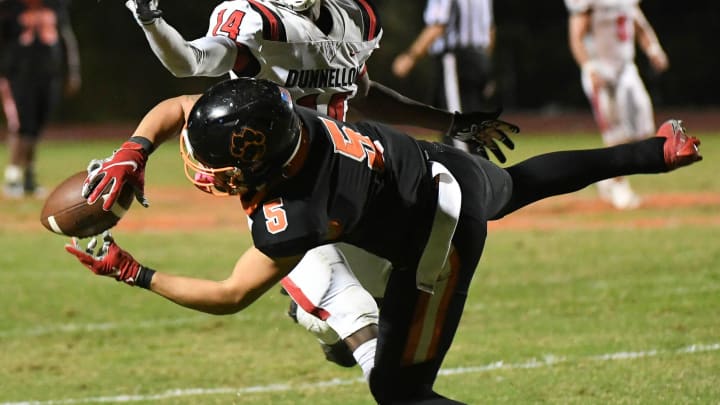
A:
(365, 357)
(13, 174)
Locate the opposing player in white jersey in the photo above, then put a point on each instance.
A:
(602, 36)
(318, 50)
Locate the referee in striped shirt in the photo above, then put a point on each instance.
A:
(459, 35)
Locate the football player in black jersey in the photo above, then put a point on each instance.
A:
(307, 180)
(38, 56)
(318, 50)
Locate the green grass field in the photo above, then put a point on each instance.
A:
(586, 315)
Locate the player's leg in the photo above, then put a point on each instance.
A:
(564, 172)
(447, 91)
(371, 271)
(417, 327)
(635, 117)
(337, 352)
(409, 351)
(436, 92)
(316, 267)
(47, 95)
(607, 106)
(13, 176)
(635, 105)
(476, 86)
(21, 143)
(334, 307)
(8, 105)
(34, 98)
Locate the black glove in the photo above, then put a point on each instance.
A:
(480, 130)
(146, 11)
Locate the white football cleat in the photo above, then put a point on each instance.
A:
(618, 193)
(624, 198)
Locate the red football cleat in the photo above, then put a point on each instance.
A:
(680, 148)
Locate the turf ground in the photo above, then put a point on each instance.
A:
(573, 303)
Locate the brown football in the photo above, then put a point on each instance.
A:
(66, 212)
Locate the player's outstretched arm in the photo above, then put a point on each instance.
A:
(649, 42)
(253, 275)
(206, 56)
(480, 130)
(106, 177)
(145, 11)
(166, 119)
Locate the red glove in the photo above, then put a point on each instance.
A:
(111, 261)
(125, 164)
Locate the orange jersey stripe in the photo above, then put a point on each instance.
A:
(415, 333)
(429, 318)
(445, 302)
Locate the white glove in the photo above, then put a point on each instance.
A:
(145, 11)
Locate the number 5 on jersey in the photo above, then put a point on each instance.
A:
(275, 216)
(354, 145)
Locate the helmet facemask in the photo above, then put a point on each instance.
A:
(223, 181)
(230, 181)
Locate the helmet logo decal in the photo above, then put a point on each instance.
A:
(285, 96)
(248, 145)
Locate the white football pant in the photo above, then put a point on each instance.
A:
(622, 108)
(334, 300)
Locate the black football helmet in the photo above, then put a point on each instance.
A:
(240, 134)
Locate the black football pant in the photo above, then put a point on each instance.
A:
(416, 328)
(568, 171)
(35, 99)
(405, 375)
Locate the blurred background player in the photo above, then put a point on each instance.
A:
(39, 56)
(602, 35)
(460, 36)
(287, 42)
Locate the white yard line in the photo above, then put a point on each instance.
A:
(546, 361)
(98, 327)
(53, 329)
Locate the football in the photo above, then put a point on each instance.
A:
(67, 213)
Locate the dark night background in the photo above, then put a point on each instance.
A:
(122, 78)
